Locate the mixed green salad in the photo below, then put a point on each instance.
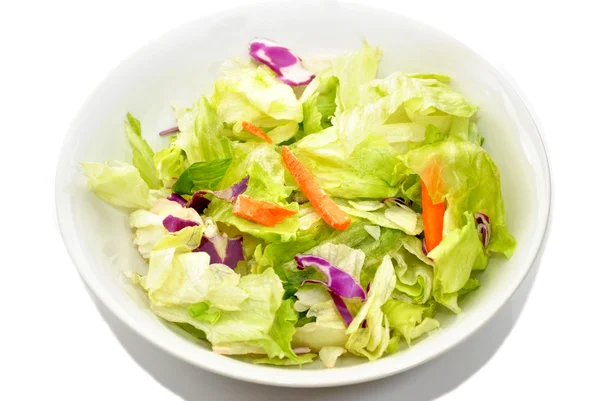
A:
(296, 212)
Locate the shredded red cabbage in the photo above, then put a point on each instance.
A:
(221, 249)
(174, 224)
(286, 65)
(342, 308)
(338, 281)
(483, 227)
(169, 131)
(177, 198)
(198, 202)
(231, 193)
(396, 201)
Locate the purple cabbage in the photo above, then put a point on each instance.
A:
(177, 198)
(484, 228)
(221, 249)
(396, 201)
(342, 308)
(282, 61)
(169, 131)
(174, 224)
(338, 281)
(198, 202)
(231, 193)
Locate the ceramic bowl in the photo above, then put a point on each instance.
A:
(182, 64)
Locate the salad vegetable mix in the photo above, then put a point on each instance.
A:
(296, 213)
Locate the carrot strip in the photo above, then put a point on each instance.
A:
(254, 130)
(433, 219)
(260, 211)
(323, 205)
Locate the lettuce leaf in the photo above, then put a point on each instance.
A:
(373, 340)
(142, 152)
(119, 184)
(253, 94)
(410, 320)
(201, 133)
(459, 253)
(170, 163)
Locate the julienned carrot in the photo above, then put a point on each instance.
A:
(323, 205)
(254, 130)
(260, 211)
(433, 219)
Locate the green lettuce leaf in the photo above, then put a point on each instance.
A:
(410, 320)
(299, 360)
(329, 355)
(201, 133)
(373, 340)
(148, 224)
(177, 276)
(283, 328)
(243, 331)
(119, 184)
(396, 217)
(318, 102)
(201, 175)
(142, 152)
(354, 70)
(170, 163)
(459, 253)
(253, 94)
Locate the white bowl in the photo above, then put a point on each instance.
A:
(182, 64)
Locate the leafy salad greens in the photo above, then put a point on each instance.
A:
(336, 217)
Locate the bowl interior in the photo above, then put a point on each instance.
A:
(178, 67)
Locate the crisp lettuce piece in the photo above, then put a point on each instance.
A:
(468, 180)
(119, 184)
(410, 320)
(329, 327)
(201, 133)
(459, 253)
(246, 154)
(329, 355)
(414, 278)
(283, 328)
(142, 152)
(318, 102)
(177, 276)
(354, 70)
(373, 340)
(170, 163)
(298, 361)
(253, 94)
(148, 224)
(242, 331)
(201, 176)
(396, 217)
(420, 96)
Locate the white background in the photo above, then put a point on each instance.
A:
(56, 345)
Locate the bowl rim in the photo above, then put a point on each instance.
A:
(275, 376)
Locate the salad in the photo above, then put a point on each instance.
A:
(311, 211)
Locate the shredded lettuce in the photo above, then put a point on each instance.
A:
(285, 294)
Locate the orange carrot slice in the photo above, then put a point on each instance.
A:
(324, 206)
(254, 130)
(433, 219)
(260, 211)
